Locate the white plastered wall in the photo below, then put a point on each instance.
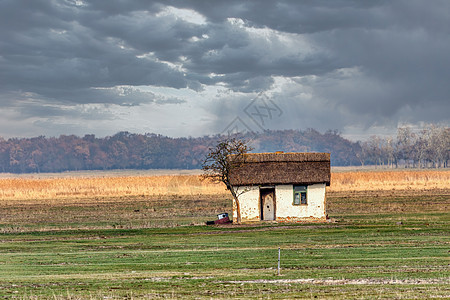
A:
(285, 209)
(316, 200)
(249, 201)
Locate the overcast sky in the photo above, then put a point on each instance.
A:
(193, 68)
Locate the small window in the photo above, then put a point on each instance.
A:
(300, 195)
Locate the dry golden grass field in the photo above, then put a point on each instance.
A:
(22, 188)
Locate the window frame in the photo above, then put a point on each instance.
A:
(302, 191)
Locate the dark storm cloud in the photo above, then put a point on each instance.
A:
(63, 59)
(361, 63)
(400, 50)
(292, 15)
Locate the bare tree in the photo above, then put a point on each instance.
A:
(391, 152)
(405, 144)
(423, 148)
(438, 145)
(374, 149)
(362, 154)
(445, 146)
(221, 159)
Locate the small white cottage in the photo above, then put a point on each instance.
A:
(282, 187)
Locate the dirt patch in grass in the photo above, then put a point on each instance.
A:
(254, 227)
(361, 281)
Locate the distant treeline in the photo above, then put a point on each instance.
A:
(427, 148)
(126, 150)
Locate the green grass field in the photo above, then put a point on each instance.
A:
(380, 246)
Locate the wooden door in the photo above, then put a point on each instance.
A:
(268, 204)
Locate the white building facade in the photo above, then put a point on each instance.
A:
(282, 187)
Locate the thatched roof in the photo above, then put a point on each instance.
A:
(280, 168)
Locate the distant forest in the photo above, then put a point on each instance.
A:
(126, 150)
(427, 148)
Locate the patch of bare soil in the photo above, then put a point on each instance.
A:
(254, 227)
(363, 281)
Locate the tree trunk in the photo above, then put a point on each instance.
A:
(238, 211)
(238, 205)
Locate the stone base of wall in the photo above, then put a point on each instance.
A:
(284, 220)
(252, 220)
(301, 220)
